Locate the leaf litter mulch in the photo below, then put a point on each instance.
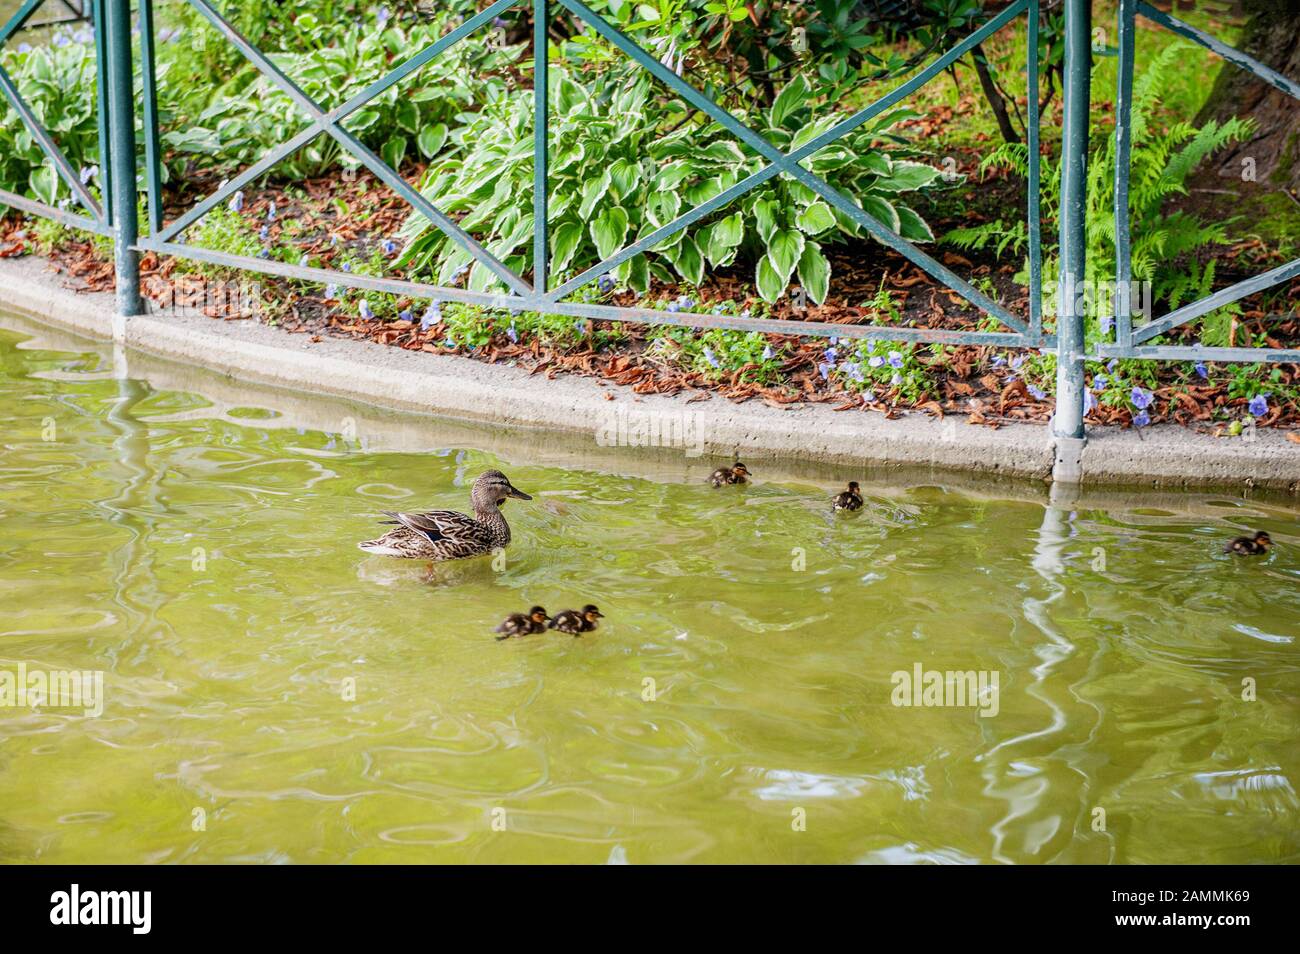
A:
(330, 220)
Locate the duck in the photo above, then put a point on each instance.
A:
(1249, 546)
(735, 474)
(575, 622)
(524, 624)
(437, 535)
(850, 499)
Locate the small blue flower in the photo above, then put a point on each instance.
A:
(237, 202)
(24, 47)
(404, 314)
(61, 40)
(1038, 393)
(869, 396)
(432, 315)
(389, 246)
(1089, 401)
(331, 291)
(998, 361)
(1141, 399)
(710, 357)
(270, 212)
(605, 283)
(381, 15)
(512, 334)
(1258, 405)
(347, 266)
(686, 302)
(1107, 322)
(825, 368)
(767, 352)
(88, 173)
(895, 359)
(831, 355)
(1100, 380)
(265, 234)
(364, 310)
(875, 361)
(264, 253)
(1141, 419)
(896, 380)
(1202, 371)
(1112, 364)
(1016, 362)
(673, 306)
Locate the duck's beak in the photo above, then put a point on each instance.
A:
(518, 494)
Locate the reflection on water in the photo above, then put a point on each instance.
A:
(273, 694)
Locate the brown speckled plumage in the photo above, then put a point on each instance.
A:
(438, 535)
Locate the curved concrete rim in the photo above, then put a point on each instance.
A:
(608, 415)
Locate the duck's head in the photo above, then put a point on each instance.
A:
(538, 615)
(1263, 539)
(591, 614)
(739, 468)
(492, 489)
(853, 486)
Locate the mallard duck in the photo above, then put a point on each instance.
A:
(448, 534)
(524, 624)
(735, 474)
(574, 622)
(849, 499)
(1249, 546)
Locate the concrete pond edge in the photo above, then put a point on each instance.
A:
(1164, 456)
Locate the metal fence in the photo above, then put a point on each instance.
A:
(118, 219)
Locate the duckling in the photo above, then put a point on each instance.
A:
(1250, 546)
(521, 624)
(849, 499)
(576, 623)
(448, 534)
(735, 474)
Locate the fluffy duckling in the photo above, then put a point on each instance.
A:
(1250, 546)
(850, 499)
(524, 624)
(576, 623)
(735, 474)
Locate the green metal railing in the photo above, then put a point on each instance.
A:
(118, 217)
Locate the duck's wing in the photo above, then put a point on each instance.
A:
(452, 530)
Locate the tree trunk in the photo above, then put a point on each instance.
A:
(1272, 36)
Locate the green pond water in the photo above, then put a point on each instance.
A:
(272, 694)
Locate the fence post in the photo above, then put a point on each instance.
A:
(1067, 423)
(121, 154)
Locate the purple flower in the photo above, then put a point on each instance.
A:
(685, 302)
(825, 370)
(347, 266)
(1202, 371)
(875, 361)
(1141, 419)
(512, 334)
(831, 355)
(1089, 401)
(432, 315)
(265, 234)
(673, 306)
(270, 212)
(868, 396)
(24, 47)
(896, 380)
(1038, 393)
(605, 283)
(1258, 405)
(1099, 381)
(88, 173)
(895, 359)
(331, 291)
(1141, 399)
(998, 361)
(1112, 364)
(381, 15)
(1016, 362)
(855, 372)
(767, 352)
(404, 314)
(1106, 323)
(389, 246)
(364, 310)
(710, 357)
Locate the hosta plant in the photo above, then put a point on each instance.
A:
(624, 163)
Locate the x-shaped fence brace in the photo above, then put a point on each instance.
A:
(99, 219)
(1128, 339)
(536, 296)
